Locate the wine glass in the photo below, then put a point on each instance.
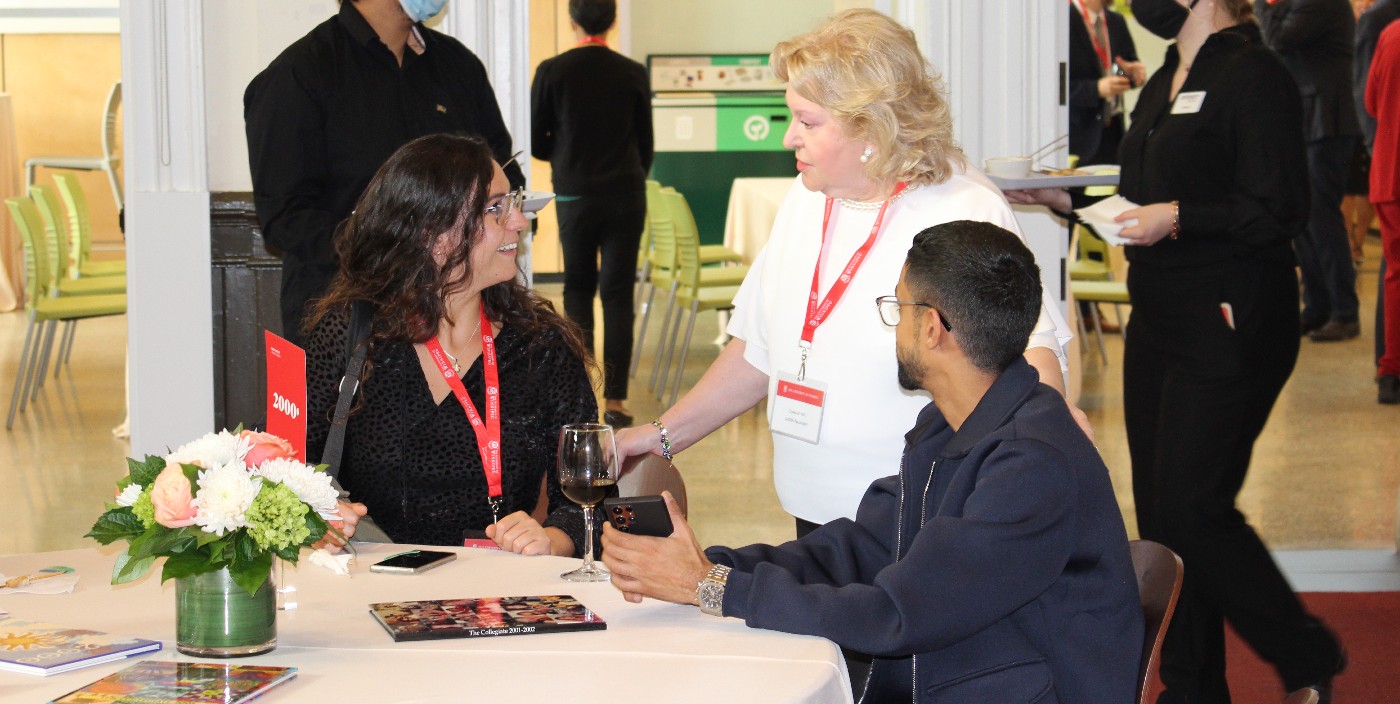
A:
(587, 467)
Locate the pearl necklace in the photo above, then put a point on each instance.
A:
(457, 366)
(873, 205)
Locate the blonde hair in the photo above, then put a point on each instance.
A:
(866, 70)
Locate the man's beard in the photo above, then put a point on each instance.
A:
(911, 372)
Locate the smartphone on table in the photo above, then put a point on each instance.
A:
(413, 562)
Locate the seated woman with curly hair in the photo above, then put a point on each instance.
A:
(432, 246)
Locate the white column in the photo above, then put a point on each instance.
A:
(1002, 61)
(169, 326)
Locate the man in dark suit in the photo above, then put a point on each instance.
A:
(1005, 574)
(1315, 39)
(1103, 65)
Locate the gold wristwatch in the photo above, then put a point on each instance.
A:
(710, 590)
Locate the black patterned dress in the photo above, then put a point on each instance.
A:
(415, 464)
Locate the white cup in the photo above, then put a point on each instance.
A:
(1009, 166)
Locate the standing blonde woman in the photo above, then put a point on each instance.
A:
(873, 140)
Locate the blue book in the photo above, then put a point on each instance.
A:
(36, 648)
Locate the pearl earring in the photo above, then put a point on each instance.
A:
(865, 155)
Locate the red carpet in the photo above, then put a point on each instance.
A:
(1369, 625)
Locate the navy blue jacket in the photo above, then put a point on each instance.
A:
(993, 567)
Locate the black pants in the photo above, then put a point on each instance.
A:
(1324, 250)
(1196, 396)
(610, 226)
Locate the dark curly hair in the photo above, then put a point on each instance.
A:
(429, 186)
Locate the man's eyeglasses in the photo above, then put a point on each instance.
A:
(508, 203)
(889, 311)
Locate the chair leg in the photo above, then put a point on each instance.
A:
(671, 309)
(65, 346)
(20, 390)
(41, 364)
(1098, 332)
(641, 330)
(672, 335)
(685, 350)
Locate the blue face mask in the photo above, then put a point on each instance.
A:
(422, 10)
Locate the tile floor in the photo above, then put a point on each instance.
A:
(1325, 476)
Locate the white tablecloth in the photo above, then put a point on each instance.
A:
(650, 652)
(753, 205)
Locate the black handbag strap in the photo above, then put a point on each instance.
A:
(356, 347)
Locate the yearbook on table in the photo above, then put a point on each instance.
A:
(486, 616)
(36, 648)
(159, 682)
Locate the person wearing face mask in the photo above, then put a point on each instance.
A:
(325, 114)
(1215, 155)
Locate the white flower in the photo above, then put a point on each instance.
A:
(129, 494)
(212, 450)
(309, 485)
(225, 493)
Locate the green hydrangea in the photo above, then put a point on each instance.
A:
(277, 518)
(144, 510)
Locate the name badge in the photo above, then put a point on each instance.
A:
(1188, 103)
(797, 408)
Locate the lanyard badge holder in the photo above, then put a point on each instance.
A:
(488, 430)
(799, 402)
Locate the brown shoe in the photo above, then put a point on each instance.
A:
(1336, 331)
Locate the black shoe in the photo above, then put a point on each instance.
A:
(617, 419)
(1336, 331)
(1306, 325)
(1389, 392)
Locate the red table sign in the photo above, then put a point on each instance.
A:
(286, 392)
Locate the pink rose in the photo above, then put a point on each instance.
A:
(264, 447)
(170, 496)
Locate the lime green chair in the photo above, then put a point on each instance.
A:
(1115, 292)
(80, 230)
(693, 290)
(44, 310)
(43, 232)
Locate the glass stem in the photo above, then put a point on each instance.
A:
(588, 538)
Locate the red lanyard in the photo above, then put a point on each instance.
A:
(488, 433)
(1099, 48)
(818, 312)
(593, 40)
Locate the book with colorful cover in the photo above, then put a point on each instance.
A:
(485, 616)
(36, 648)
(161, 682)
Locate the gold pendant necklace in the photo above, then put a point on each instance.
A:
(457, 366)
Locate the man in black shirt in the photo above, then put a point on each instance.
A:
(325, 114)
(1315, 40)
(590, 111)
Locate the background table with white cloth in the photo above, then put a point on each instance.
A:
(753, 205)
(651, 651)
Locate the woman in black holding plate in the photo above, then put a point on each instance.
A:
(1215, 153)
(432, 244)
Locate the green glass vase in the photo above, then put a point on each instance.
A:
(216, 618)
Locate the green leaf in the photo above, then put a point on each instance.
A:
(291, 553)
(203, 537)
(130, 569)
(245, 549)
(315, 526)
(116, 524)
(192, 473)
(251, 575)
(186, 565)
(144, 473)
(238, 430)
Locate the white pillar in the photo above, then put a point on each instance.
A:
(169, 326)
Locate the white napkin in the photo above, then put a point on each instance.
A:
(62, 584)
(338, 564)
(1100, 217)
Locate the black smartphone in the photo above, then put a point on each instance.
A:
(639, 515)
(413, 562)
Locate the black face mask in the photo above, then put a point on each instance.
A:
(1163, 18)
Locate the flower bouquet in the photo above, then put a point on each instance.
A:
(227, 500)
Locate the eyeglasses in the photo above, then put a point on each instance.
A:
(508, 203)
(889, 311)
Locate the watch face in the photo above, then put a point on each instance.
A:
(711, 596)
